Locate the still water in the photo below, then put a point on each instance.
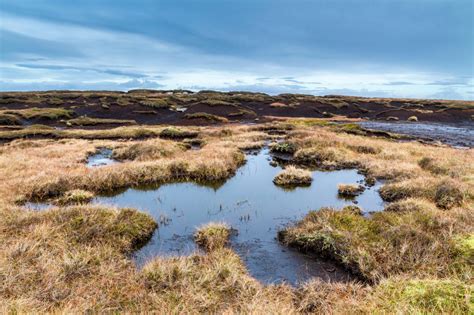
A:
(250, 203)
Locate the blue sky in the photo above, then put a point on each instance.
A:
(393, 48)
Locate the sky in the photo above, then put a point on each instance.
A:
(384, 48)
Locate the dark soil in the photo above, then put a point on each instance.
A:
(150, 107)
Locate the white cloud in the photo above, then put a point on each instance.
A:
(114, 54)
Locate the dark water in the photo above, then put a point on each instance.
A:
(455, 135)
(252, 204)
(101, 158)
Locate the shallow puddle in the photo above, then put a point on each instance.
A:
(255, 207)
(101, 158)
(461, 135)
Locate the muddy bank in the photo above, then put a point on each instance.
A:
(458, 135)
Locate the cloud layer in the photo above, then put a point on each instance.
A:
(416, 48)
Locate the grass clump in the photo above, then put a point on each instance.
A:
(76, 196)
(350, 190)
(207, 116)
(212, 235)
(365, 149)
(175, 133)
(91, 121)
(91, 225)
(284, 147)
(41, 113)
(410, 204)
(448, 194)
(412, 118)
(431, 165)
(292, 176)
(416, 243)
(9, 120)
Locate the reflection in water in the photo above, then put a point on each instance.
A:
(252, 204)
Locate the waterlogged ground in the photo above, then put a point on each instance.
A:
(102, 158)
(460, 135)
(255, 207)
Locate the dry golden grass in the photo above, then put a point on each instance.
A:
(212, 235)
(34, 112)
(92, 121)
(292, 176)
(350, 190)
(76, 259)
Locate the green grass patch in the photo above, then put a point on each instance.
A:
(40, 113)
(91, 121)
(424, 297)
(207, 116)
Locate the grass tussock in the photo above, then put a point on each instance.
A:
(212, 235)
(76, 196)
(175, 133)
(284, 147)
(446, 193)
(350, 190)
(410, 204)
(416, 243)
(431, 165)
(292, 176)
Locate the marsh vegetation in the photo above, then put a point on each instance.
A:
(76, 256)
